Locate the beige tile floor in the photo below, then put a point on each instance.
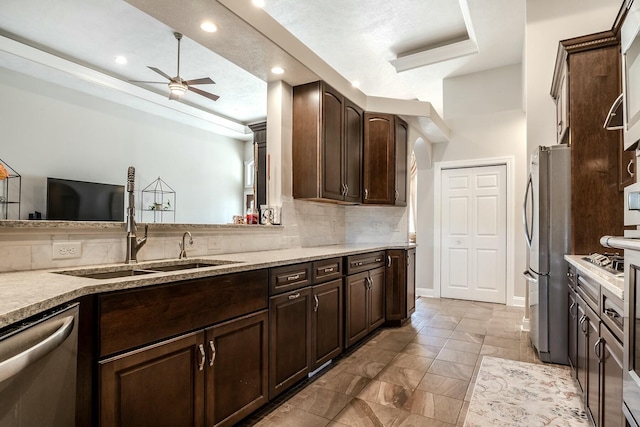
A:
(421, 374)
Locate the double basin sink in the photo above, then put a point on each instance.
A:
(114, 272)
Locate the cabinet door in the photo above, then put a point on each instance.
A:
(290, 339)
(581, 357)
(611, 380)
(379, 159)
(411, 282)
(332, 143)
(562, 112)
(626, 167)
(592, 400)
(356, 314)
(376, 298)
(327, 327)
(353, 134)
(401, 142)
(159, 385)
(396, 286)
(237, 368)
(572, 319)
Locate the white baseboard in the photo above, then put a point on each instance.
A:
(517, 301)
(425, 292)
(526, 326)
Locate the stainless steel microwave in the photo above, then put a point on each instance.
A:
(630, 47)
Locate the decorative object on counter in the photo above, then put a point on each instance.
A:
(270, 215)
(34, 215)
(252, 216)
(10, 192)
(158, 199)
(238, 219)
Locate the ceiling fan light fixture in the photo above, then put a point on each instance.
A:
(258, 3)
(120, 60)
(177, 89)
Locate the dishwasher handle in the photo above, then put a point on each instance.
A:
(17, 363)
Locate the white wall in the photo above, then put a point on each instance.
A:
(483, 111)
(548, 22)
(51, 131)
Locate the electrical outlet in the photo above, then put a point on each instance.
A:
(67, 250)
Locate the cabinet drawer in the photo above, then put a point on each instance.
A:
(590, 291)
(612, 313)
(139, 317)
(571, 277)
(289, 277)
(327, 269)
(364, 262)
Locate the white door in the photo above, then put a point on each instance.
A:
(474, 233)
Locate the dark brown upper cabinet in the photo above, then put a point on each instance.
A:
(327, 145)
(385, 159)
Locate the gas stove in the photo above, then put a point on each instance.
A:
(611, 263)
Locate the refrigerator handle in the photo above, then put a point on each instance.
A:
(525, 220)
(529, 277)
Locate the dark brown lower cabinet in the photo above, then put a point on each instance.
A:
(581, 351)
(365, 304)
(592, 397)
(218, 375)
(290, 339)
(611, 380)
(572, 319)
(326, 322)
(400, 285)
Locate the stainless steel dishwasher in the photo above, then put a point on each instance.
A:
(38, 362)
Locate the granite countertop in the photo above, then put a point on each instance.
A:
(612, 283)
(26, 293)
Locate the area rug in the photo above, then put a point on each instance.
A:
(511, 393)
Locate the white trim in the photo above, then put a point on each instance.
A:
(517, 302)
(426, 292)
(511, 209)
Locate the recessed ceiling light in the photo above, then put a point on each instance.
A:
(258, 3)
(355, 83)
(120, 59)
(209, 27)
(277, 70)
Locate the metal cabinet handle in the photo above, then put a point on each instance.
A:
(294, 277)
(203, 357)
(294, 296)
(581, 322)
(596, 348)
(388, 260)
(212, 346)
(366, 194)
(359, 263)
(378, 259)
(397, 194)
(15, 364)
(328, 270)
(629, 171)
(346, 189)
(573, 304)
(369, 282)
(611, 313)
(317, 303)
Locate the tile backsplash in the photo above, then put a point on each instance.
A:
(305, 224)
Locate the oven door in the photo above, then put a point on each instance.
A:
(631, 374)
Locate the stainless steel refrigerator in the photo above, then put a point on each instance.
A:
(547, 223)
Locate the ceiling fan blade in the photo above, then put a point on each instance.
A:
(205, 94)
(144, 81)
(202, 81)
(162, 73)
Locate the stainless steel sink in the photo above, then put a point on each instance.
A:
(109, 274)
(137, 270)
(190, 265)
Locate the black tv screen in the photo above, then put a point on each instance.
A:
(84, 201)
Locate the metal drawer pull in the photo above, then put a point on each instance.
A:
(388, 260)
(328, 270)
(366, 194)
(213, 352)
(581, 322)
(573, 304)
(358, 263)
(317, 303)
(203, 357)
(596, 347)
(294, 277)
(378, 259)
(629, 171)
(611, 313)
(294, 296)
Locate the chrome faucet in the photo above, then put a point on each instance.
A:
(183, 252)
(133, 243)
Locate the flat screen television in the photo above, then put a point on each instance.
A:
(84, 201)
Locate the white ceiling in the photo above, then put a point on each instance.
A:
(356, 39)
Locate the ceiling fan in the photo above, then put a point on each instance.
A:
(177, 86)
